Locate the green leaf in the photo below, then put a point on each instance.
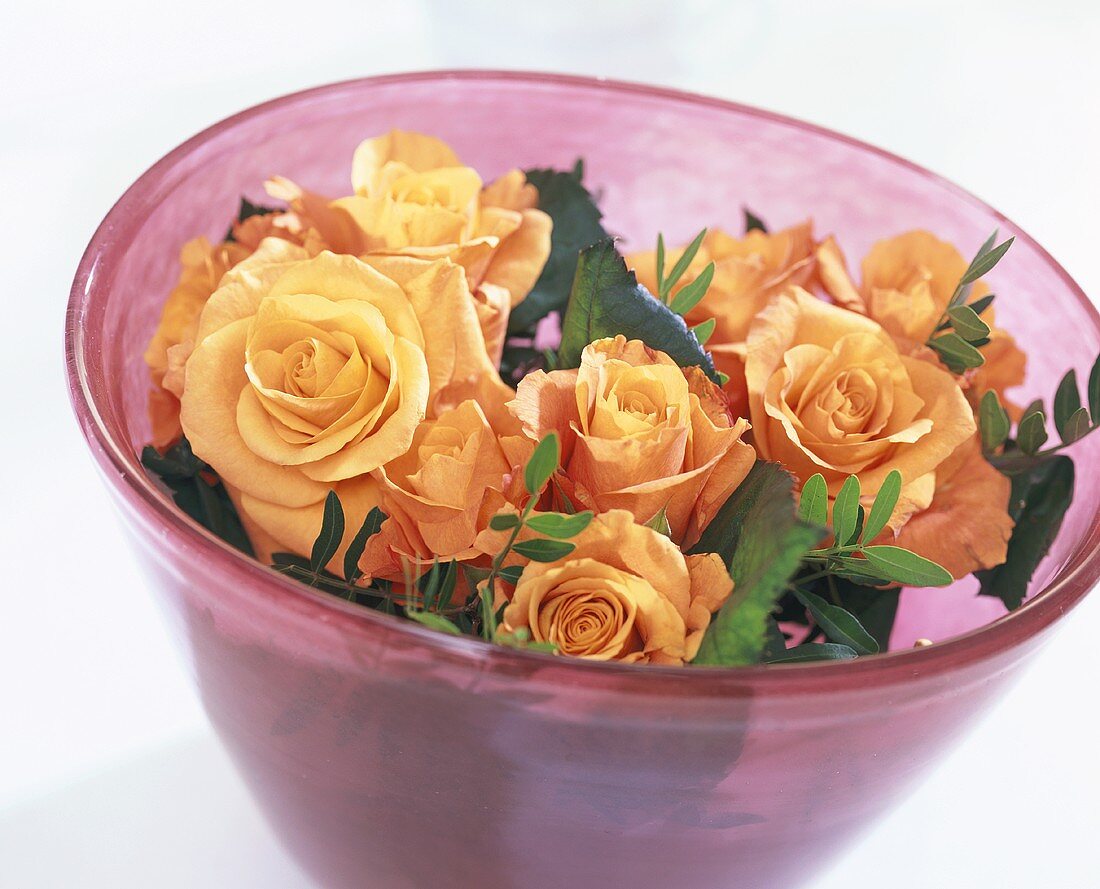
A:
(874, 608)
(1031, 434)
(753, 222)
(993, 422)
(576, 224)
(562, 498)
(986, 259)
(982, 303)
(428, 584)
(511, 574)
(1067, 400)
(556, 524)
(762, 541)
(332, 532)
(906, 568)
(433, 620)
(846, 512)
(504, 521)
(1038, 504)
(689, 295)
(681, 266)
(956, 352)
(883, 507)
(1094, 392)
(1077, 426)
(838, 624)
(967, 324)
(815, 651)
(704, 330)
(660, 258)
(372, 524)
(659, 522)
(775, 644)
(813, 505)
(208, 503)
(438, 584)
(542, 464)
(857, 570)
(543, 550)
(608, 300)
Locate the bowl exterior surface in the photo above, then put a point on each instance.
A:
(386, 755)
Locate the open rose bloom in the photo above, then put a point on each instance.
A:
(719, 452)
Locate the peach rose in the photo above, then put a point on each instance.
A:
(908, 281)
(748, 272)
(829, 392)
(309, 374)
(967, 527)
(440, 493)
(626, 593)
(638, 433)
(284, 224)
(202, 266)
(414, 197)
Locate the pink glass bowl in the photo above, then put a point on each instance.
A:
(387, 755)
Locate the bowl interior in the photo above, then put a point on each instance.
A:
(659, 161)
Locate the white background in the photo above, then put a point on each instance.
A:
(109, 775)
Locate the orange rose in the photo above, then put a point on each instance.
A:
(626, 593)
(203, 265)
(748, 272)
(440, 493)
(638, 433)
(414, 197)
(829, 392)
(967, 527)
(908, 281)
(309, 374)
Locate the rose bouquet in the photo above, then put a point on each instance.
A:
(458, 403)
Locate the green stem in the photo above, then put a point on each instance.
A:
(488, 596)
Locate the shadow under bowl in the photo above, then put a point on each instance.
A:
(385, 754)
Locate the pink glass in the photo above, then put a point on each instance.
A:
(388, 755)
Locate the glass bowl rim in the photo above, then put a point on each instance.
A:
(1068, 587)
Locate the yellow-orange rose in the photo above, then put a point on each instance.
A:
(638, 433)
(829, 392)
(202, 266)
(414, 197)
(440, 493)
(748, 272)
(625, 593)
(308, 374)
(907, 283)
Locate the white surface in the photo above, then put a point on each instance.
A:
(109, 776)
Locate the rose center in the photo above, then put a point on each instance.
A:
(442, 441)
(310, 366)
(585, 622)
(640, 406)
